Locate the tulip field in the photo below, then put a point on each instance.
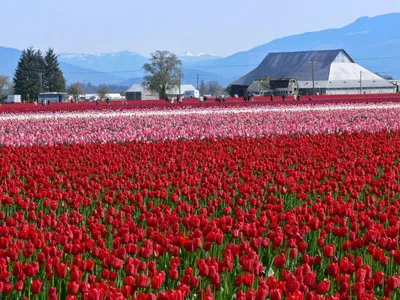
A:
(243, 201)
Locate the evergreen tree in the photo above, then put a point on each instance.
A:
(39, 65)
(53, 78)
(28, 75)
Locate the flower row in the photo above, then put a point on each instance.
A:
(195, 123)
(305, 217)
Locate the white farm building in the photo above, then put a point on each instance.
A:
(139, 92)
(329, 72)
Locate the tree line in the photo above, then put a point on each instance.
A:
(113, 88)
(212, 88)
(77, 89)
(37, 73)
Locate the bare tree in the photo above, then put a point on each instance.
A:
(164, 72)
(214, 88)
(75, 90)
(4, 82)
(103, 91)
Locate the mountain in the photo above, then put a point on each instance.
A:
(93, 67)
(190, 77)
(125, 64)
(131, 81)
(9, 58)
(373, 42)
(76, 74)
(191, 59)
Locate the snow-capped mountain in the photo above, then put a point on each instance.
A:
(9, 59)
(191, 54)
(189, 58)
(95, 55)
(372, 41)
(124, 64)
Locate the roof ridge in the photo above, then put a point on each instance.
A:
(306, 51)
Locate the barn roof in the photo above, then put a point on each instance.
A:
(296, 65)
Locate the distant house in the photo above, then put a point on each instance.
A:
(115, 96)
(139, 92)
(93, 97)
(89, 97)
(324, 72)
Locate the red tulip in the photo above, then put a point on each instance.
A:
(310, 280)
(323, 287)
(333, 269)
(379, 278)
(275, 294)
(329, 250)
(262, 293)
(142, 281)
(36, 286)
(19, 285)
(248, 279)
(126, 291)
(95, 294)
(52, 293)
(156, 282)
(292, 286)
(280, 261)
(84, 287)
(73, 287)
(361, 275)
(62, 270)
(393, 282)
(293, 252)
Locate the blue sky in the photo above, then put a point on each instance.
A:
(221, 27)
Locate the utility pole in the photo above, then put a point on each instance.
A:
(197, 81)
(360, 82)
(313, 77)
(84, 90)
(180, 78)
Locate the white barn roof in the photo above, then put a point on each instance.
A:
(135, 88)
(332, 69)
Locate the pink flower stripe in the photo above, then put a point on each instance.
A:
(196, 123)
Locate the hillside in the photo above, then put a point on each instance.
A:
(9, 59)
(372, 42)
(76, 74)
(125, 64)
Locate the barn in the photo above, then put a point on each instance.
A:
(329, 72)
